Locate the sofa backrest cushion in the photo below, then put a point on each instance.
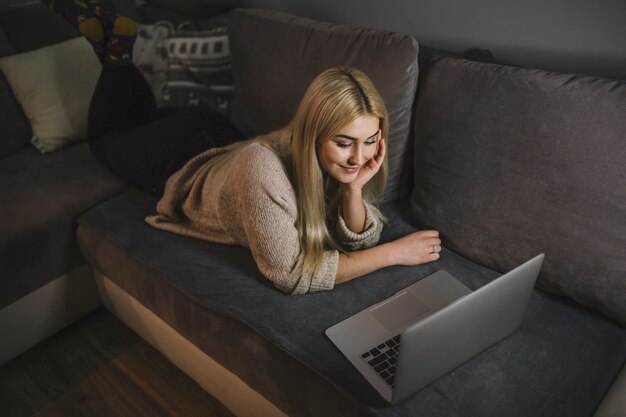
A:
(15, 131)
(5, 46)
(511, 162)
(23, 29)
(34, 26)
(54, 85)
(26, 28)
(275, 56)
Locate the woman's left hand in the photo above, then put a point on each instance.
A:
(369, 169)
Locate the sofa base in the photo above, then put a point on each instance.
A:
(222, 384)
(47, 310)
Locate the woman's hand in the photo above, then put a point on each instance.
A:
(417, 248)
(369, 169)
(413, 249)
(352, 201)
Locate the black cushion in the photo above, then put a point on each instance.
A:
(5, 47)
(15, 131)
(196, 9)
(560, 362)
(34, 26)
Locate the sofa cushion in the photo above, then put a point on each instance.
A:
(5, 46)
(197, 9)
(510, 162)
(50, 27)
(54, 85)
(287, 52)
(19, 23)
(559, 363)
(42, 195)
(15, 131)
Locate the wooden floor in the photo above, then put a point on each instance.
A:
(99, 367)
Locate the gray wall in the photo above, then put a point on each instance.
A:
(585, 36)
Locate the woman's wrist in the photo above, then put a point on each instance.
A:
(351, 192)
(393, 251)
(356, 264)
(353, 210)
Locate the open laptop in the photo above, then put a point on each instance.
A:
(426, 330)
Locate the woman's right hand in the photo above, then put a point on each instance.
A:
(417, 248)
(413, 249)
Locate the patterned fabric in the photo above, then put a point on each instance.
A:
(105, 11)
(184, 66)
(121, 41)
(80, 16)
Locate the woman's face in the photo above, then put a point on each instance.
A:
(343, 155)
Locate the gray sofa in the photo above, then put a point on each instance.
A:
(506, 162)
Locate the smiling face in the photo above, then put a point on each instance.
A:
(343, 155)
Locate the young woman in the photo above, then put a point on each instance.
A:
(302, 199)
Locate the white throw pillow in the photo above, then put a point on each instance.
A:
(54, 86)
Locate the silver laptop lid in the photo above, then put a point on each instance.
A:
(359, 333)
(441, 342)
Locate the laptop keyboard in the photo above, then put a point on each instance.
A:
(383, 358)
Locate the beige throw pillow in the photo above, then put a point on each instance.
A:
(54, 85)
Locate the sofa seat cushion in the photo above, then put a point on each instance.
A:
(42, 196)
(559, 363)
(510, 162)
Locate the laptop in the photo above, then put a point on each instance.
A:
(429, 328)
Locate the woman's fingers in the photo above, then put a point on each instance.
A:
(419, 247)
(432, 245)
(382, 148)
(429, 233)
(371, 167)
(376, 161)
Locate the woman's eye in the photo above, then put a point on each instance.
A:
(343, 145)
(371, 142)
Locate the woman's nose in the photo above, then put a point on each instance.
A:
(357, 157)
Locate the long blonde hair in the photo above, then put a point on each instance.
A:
(334, 99)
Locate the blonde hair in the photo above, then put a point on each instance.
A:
(335, 98)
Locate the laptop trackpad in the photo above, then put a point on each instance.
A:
(399, 311)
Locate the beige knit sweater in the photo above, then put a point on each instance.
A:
(241, 195)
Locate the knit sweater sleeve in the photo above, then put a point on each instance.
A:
(368, 237)
(267, 213)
